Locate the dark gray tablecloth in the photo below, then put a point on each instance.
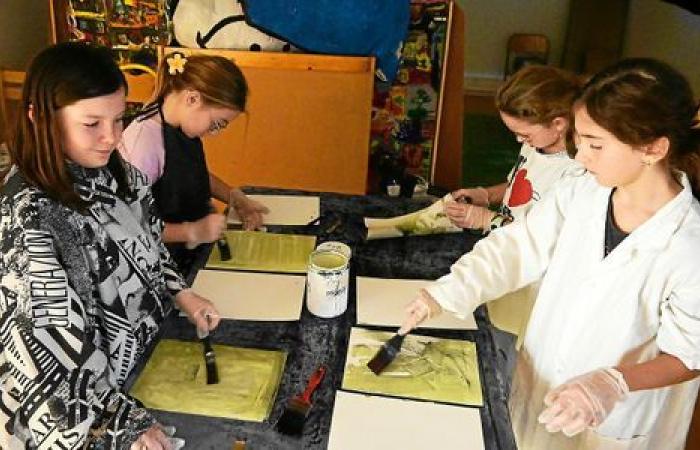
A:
(313, 341)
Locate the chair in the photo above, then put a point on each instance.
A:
(141, 80)
(10, 92)
(525, 49)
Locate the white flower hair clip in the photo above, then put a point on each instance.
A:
(176, 63)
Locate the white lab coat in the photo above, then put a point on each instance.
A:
(593, 312)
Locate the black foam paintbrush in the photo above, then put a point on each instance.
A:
(209, 357)
(386, 354)
(224, 249)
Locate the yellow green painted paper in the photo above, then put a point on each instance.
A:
(427, 368)
(268, 252)
(174, 379)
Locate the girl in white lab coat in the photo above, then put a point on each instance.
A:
(612, 350)
(535, 104)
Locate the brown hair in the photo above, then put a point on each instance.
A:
(539, 94)
(640, 100)
(59, 76)
(218, 80)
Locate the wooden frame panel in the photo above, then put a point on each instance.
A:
(307, 122)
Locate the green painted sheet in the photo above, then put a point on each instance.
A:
(174, 379)
(266, 252)
(428, 368)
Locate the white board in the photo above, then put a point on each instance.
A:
(284, 209)
(252, 296)
(382, 301)
(364, 422)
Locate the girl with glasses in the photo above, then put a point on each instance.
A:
(194, 96)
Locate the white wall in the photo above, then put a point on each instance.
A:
(24, 30)
(489, 23)
(667, 32)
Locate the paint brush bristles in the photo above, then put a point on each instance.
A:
(292, 420)
(386, 354)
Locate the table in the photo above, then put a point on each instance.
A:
(312, 340)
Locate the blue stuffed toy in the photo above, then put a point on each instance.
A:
(343, 27)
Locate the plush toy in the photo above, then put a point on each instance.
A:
(220, 24)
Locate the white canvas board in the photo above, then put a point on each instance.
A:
(382, 301)
(284, 209)
(252, 296)
(365, 422)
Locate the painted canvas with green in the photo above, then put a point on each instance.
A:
(174, 379)
(427, 368)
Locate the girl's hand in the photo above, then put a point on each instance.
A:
(469, 216)
(207, 229)
(476, 196)
(200, 311)
(249, 211)
(153, 439)
(583, 402)
(422, 308)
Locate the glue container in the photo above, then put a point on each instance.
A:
(327, 281)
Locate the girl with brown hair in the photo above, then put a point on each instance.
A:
(612, 351)
(195, 96)
(535, 104)
(85, 282)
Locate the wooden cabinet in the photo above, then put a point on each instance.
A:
(306, 126)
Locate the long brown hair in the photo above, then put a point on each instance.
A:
(640, 100)
(539, 94)
(59, 76)
(218, 80)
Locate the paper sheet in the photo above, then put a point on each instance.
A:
(430, 220)
(252, 296)
(284, 209)
(363, 422)
(266, 252)
(428, 368)
(383, 301)
(174, 379)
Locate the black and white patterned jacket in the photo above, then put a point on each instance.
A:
(81, 296)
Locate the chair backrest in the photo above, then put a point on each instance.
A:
(10, 93)
(141, 80)
(524, 49)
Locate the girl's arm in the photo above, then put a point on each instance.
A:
(508, 258)
(249, 211)
(59, 391)
(664, 370)
(220, 190)
(496, 193)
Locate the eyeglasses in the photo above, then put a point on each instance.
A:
(217, 125)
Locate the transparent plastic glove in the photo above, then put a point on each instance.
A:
(468, 216)
(201, 312)
(422, 308)
(584, 401)
(249, 211)
(207, 229)
(477, 196)
(153, 439)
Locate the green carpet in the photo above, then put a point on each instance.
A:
(489, 151)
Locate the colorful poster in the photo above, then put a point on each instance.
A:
(404, 113)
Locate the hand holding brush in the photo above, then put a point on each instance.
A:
(422, 308)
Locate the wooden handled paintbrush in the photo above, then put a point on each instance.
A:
(387, 353)
(209, 357)
(292, 420)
